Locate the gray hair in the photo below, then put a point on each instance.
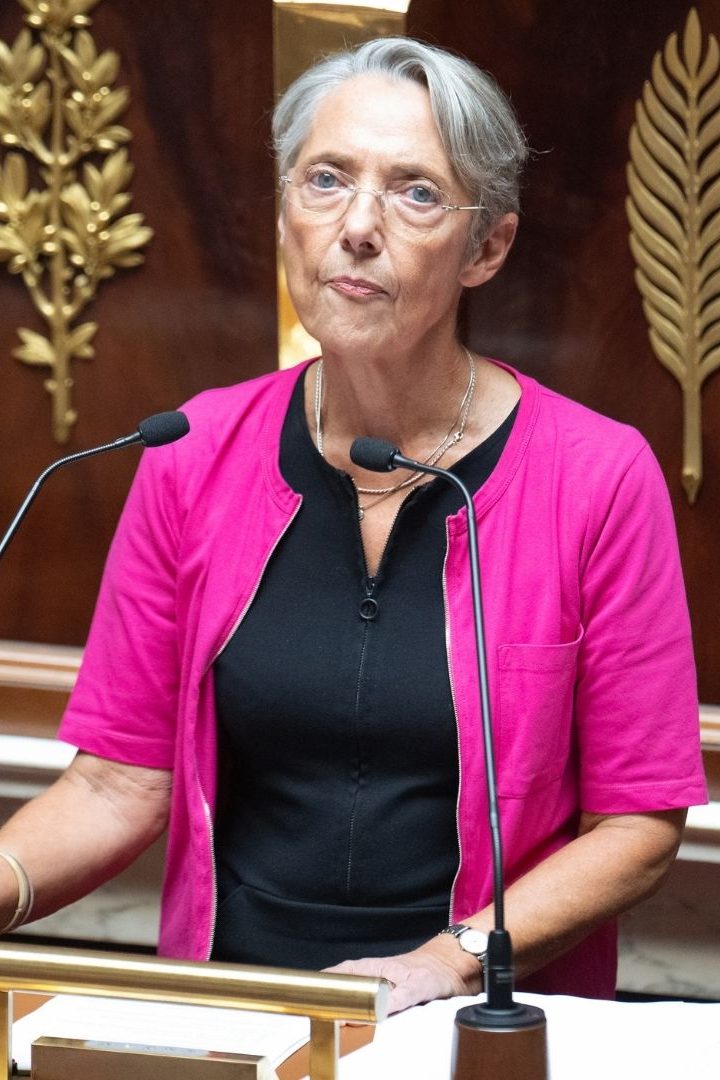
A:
(477, 125)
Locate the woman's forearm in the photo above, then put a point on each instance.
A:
(87, 827)
(615, 862)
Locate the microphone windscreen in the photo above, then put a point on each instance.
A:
(373, 454)
(162, 428)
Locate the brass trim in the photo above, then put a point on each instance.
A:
(6, 1020)
(323, 1048)
(325, 998)
(75, 1059)
(69, 233)
(674, 182)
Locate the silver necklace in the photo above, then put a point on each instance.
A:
(454, 435)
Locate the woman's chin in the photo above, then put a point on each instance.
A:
(361, 340)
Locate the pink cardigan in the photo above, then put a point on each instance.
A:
(589, 652)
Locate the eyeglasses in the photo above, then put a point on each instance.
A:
(325, 193)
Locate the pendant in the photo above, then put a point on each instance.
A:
(361, 513)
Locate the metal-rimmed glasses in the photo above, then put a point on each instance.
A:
(325, 193)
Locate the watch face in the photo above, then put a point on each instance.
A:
(473, 941)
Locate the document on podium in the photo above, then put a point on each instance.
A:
(150, 1023)
(587, 1039)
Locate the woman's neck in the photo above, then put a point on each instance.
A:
(411, 404)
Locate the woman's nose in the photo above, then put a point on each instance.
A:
(364, 221)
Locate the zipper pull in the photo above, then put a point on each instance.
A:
(369, 605)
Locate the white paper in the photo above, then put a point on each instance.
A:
(592, 1040)
(150, 1023)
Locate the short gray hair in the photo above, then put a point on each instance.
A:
(478, 127)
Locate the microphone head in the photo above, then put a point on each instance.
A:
(164, 427)
(377, 455)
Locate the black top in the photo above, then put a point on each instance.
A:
(336, 834)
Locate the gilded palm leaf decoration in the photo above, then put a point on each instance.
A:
(674, 214)
(63, 237)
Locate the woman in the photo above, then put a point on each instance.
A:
(269, 606)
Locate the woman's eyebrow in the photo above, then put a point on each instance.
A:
(347, 161)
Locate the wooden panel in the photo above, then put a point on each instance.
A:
(565, 309)
(35, 682)
(200, 312)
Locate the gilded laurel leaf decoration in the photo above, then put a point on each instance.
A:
(674, 213)
(64, 174)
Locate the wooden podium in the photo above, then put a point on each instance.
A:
(325, 998)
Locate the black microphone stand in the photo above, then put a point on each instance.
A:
(501, 1038)
(157, 430)
(32, 493)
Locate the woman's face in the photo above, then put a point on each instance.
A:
(361, 282)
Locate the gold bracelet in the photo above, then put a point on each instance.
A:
(25, 893)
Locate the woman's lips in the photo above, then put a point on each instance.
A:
(355, 286)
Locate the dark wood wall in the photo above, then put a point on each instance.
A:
(565, 308)
(201, 311)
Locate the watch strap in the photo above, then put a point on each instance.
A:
(458, 930)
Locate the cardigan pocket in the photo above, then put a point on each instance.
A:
(536, 690)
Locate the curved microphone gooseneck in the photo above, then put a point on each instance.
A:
(157, 430)
(524, 1057)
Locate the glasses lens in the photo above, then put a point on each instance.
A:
(322, 192)
(418, 205)
(325, 193)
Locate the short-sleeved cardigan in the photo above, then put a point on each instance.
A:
(590, 660)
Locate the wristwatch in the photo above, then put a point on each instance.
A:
(471, 940)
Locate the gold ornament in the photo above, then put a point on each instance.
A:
(58, 125)
(674, 214)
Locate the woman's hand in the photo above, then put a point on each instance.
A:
(437, 969)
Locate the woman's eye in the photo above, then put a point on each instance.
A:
(324, 180)
(423, 195)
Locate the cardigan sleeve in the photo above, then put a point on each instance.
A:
(124, 705)
(636, 709)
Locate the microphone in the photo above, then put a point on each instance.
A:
(157, 430)
(162, 428)
(501, 1037)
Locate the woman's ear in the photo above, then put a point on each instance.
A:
(492, 253)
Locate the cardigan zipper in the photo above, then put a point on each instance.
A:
(448, 647)
(206, 806)
(368, 616)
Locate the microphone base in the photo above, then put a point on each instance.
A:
(489, 1044)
